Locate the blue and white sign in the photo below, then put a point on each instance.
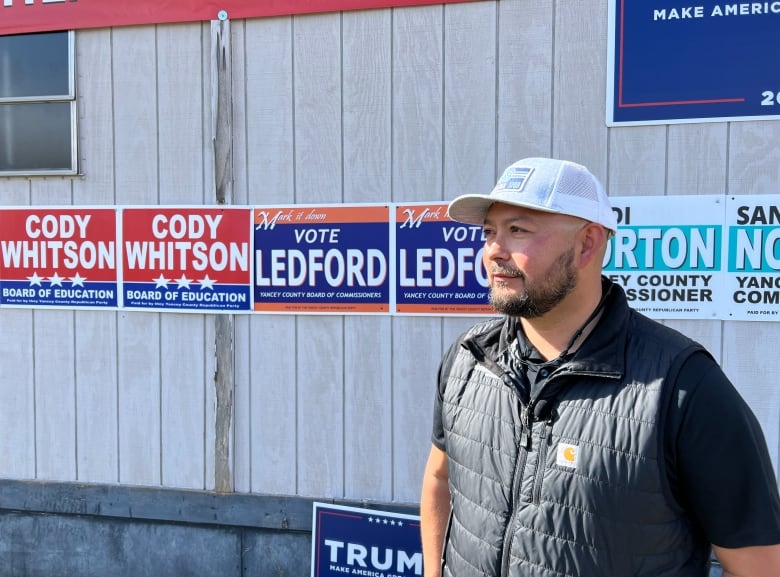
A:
(753, 235)
(672, 61)
(669, 258)
(353, 541)
(439, 262)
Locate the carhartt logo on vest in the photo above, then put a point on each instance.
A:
(567, 455)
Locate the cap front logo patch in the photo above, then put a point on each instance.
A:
(515, 178)
(567, 455)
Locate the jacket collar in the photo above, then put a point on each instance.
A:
(603, 351)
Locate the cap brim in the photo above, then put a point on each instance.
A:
(472, 208)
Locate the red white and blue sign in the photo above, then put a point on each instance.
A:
(672, 62)
(353, 541)
(322, 259)
(438, 264)
(58, 257)
(182, 259)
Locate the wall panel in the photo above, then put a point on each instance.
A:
(368, 385)
(97, 447)
(418, 104)
(319, 340)
(524, 81)
(184, 383)
(54, 372)
(270, 431)
(393, 105)
(136, 169)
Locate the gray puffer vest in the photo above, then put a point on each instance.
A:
(571, 483)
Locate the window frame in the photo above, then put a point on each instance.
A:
(69, 98)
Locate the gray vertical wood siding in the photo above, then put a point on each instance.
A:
(392, 105)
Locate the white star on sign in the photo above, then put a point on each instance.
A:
(56, 280)
(35, 279)
(160, 281)
(207, 283)
(77, 280)
(183, 282)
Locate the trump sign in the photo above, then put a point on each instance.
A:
(352, 541)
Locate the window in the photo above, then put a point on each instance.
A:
(37, 104)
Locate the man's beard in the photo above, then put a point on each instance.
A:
(534, 301)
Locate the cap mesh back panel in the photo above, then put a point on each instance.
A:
(575, 183)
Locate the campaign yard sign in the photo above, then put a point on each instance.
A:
(322, 259)
(58, 257)
(364, 542)
(753, 233)
(438, 264)
(667, 255)
(186, 259)
(672, 61)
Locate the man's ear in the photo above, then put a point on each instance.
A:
(592, 243)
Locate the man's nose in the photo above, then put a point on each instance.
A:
(495, 249)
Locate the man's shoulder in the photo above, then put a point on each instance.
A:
(643, 327)
(487, 333)
(486, 327)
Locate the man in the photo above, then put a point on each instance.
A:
(575, 437)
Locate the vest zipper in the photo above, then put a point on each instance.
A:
(516, 484)
(541, 459)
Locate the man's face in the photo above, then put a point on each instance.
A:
(529, 257)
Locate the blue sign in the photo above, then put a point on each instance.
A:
(352, 541)
(674, 62)
(439, 262)
(322, 259)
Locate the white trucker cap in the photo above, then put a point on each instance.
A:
(545, 184)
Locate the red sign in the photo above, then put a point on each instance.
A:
(61, 257)
(195, 259)
(20, 16)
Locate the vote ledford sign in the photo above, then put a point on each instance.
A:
(675, 61)
(58, 257)
(186, 259)
(439, 263)
(322, 259)
(364, 542)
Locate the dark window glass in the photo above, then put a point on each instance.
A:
(37, 104)
(35, 137)
(34, 65)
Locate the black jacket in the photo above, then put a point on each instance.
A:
(571, 483)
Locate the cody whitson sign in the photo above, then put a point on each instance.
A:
(58, 257)
(186, 259)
